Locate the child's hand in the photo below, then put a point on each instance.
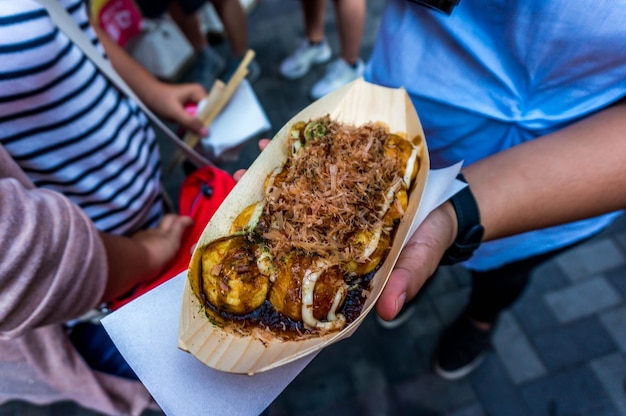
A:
(143, 256)
(169, 100)
(163, 242)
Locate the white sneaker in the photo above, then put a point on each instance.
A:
(300, 61)
(338, 74)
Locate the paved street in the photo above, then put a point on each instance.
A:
(561, 350)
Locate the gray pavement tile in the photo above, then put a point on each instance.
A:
(532, 313)
(593, 257)
(365, 376)
(10, 409)
(614, 322)
(425, 395)
(461, 274)
(377, 358)
(429, 391)
(392, 351)
(548, 277)
(573, 391)
(611, 371)
(424, 347)
(400, 364)
(450, 305)
(61, 409)
(617, 228)
(600, 410)
(617, 278)
(515, 351)
(312, 390)
(621, 239)
(443, 281)
(495, 390)
(423, 321)
(473, 409)
(573, 344)
(582, 299)
(374, 403)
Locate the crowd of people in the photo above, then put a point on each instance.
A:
(81, 210)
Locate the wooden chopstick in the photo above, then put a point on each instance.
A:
(216, 101)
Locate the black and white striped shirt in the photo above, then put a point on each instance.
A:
(68, 127)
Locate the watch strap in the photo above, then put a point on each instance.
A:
(469, 231)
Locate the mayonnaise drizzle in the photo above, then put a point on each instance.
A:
(410, 165)
(335, 321)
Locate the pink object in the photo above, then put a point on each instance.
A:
(120, 19)
(191, 108)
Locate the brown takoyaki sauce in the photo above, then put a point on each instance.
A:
(284, 327)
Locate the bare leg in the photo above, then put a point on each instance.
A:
(190, 26)
(234, 19)
(314, 17)
(350, 16)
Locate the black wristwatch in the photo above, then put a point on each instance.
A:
(469, 232)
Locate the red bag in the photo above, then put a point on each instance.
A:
(201, 194)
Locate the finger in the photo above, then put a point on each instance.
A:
(191, 123)
(170, 221)
(166, 222)
(179, 226)
(197, 127)
(193, 92)
(414, 267)
(239, 174)
(394, 295)
(263, 143)
(417, 262)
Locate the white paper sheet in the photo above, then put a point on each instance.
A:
(146, 332)
(441, 185)
(240, 119)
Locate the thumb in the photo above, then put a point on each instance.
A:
(174, 224)
(415, 265)
(178, 227)
(418, 261)
(193, 124)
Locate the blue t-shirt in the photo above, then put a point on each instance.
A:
(497, 73)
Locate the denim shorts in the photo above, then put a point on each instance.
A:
(98, 350)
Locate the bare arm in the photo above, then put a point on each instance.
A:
(572, 174)
(55, 266)
(166, 100)
(139, 259)
(575, 173)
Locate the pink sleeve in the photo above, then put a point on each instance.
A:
(52, 262)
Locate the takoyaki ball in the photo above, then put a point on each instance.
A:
(247, 219)
(329, 294)
(397, 208)
(400, 148)
(285, 294)
(377, 244)
(232, 281)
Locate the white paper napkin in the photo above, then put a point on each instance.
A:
(240, 119)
